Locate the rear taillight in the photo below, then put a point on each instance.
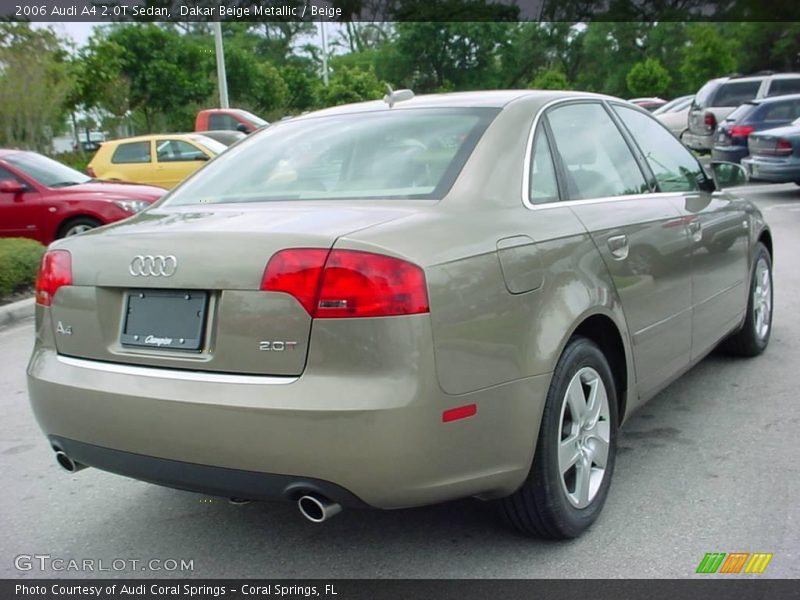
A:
(347, 283)
(710, 120)
(90, 172)
(54, 272)
(741, 130)
(783, 147)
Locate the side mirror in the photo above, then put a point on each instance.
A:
(11, 186)
(728, 174)
(243, 128)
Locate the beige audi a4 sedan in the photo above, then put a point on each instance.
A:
(402, 302)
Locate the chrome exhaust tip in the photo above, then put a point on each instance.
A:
(317, 508)
(66, 463)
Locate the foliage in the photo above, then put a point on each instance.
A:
(351, 85)
(19, 263)
(550, 79)
(707, 55)
(648, 78)
(77, 160)
(35, 81)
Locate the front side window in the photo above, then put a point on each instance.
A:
(734, 93)
(543, 182)
(782, 87)
(177, 151)
(387, 154)
(674, 167)
(132, 152)
(596, 158)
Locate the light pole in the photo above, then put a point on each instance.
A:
(324, 53)
(222, 80)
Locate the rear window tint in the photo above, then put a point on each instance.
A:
(132, 152)
(781, 87)
(733, 93)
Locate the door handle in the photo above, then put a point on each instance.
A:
(618, 245)
(696, 229)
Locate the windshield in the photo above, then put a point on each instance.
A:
(389, 154)
(256, 120)
(46, 171)
(675, 105)
(212, 146)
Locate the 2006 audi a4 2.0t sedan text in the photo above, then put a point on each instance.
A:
(402, 302)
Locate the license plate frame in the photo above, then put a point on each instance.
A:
(165, 319)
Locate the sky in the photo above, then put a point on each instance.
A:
(79, 32)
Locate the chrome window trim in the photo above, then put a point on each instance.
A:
(526, 200)
(166, 373)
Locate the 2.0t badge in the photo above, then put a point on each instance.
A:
(153, 266)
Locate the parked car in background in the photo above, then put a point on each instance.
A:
(719, 97)
(775, 154)
(225, 136)
(756, 115)
(43, 199)
(234, 119)
(649, 104)
(674, 115)
(163, 160)
(403, 302)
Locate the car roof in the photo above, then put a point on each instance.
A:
(9, 151)
(487, 99)
(774, 99)
(152, 136)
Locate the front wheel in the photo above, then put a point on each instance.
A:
(752, 339)
(571, 472)
(78, 225)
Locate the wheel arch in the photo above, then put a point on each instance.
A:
(765, 237)
(65, 222)
(601, 329)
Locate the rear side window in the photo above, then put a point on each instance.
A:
(132, 152)
(674, 167)
(781, 87)
(543, 182)
(597, 159)
(220, 121)
(733, 93)
(780, 111)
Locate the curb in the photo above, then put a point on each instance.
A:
(16, 311)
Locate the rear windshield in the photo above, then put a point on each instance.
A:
(742, 112)
(733, 93)
(391, 154)
(701, 98)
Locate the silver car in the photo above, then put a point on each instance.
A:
(399, 303)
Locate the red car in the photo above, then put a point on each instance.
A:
(45, 200)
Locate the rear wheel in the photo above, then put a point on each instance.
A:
(78, 225)
(753, 337)
(571, 472)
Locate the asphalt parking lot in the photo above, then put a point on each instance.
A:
(709, 465)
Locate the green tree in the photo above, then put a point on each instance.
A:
(351, 85)
(550, 79)
(707, 55)
(648, 78)
(35, 83)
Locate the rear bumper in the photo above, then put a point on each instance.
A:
(376, 439)
(762, 170)
(732, 154)
(702, 142)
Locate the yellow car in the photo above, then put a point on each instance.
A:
(162, 160)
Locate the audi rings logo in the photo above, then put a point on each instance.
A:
(153, 266)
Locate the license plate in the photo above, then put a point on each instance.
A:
(165, 319)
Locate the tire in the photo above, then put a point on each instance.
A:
(752, 339)
(77, 225)
(550, 505)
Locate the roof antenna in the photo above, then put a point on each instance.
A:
(392, 96)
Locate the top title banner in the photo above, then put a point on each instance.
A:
(398, 10)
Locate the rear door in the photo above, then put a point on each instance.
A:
(717, 225)
(132, 161)
(639, 235)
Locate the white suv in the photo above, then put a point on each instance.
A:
(717, 99)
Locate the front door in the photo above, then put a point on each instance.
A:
(20, 212)
(638, 233)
